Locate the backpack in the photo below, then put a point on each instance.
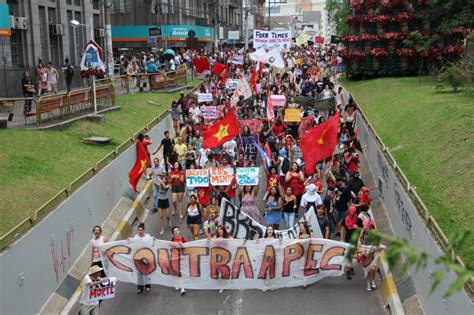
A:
(285, 166)
(70, 71)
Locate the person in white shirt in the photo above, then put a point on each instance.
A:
(91, 279)
(97, 240)
(142, 282)
(195, 113)
(310, 198)
(230, 148)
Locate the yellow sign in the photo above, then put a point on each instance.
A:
(292, 115)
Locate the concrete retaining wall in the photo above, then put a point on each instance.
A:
(408, 224)
(35, 266)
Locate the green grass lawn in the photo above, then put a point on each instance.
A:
(35, 165)
(433, 133)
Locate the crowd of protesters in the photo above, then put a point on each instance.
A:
(335, 191)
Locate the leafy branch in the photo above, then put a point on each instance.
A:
(419, 258)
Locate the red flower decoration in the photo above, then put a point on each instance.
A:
(432, 53)
(383, 19)
(392, 35)
(403, 16)
(379, 52)
(356, 4)
(351, 38)
(461, 32)
(389, 4)
(455, 50)
(406, 52)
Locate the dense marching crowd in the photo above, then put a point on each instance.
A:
(335, 191)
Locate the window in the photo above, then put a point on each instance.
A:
(96, 4)
(77, 3)
(53, 39)
(118, 6)
(71, 39)
(79, 35)
(69, 2)
(43, 34)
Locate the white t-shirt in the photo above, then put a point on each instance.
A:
(95, 250)
(145, 237)
(230, 147)
(203, 159)
(195, 112)
(307, 198)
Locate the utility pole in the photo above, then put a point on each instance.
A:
(269, 10)
(108, 38)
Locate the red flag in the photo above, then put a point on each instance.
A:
(141, 164)
(253, 80)
(223, 130)
(270, 112)
(319, 143)
(201, 64)
(219, 69)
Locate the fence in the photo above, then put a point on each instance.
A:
(411, 219)
(15, 233)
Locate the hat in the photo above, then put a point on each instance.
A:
(311, 189)
(95, 269)
(352, 210)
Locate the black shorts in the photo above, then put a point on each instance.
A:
(178, 189)
(163, 203)
(194, 220)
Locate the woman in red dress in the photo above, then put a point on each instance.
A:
(294, 178)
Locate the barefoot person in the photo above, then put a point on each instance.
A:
(176, 179)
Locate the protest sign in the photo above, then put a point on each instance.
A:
(292, 115)
(247, 176)
(221, 176)
(238, 60)
(272, 39)
(231, 84)
(253, 124)
(102, 291)
(247, 146)
(240, 225)
(209, 112)
(204, 97)
(243, 88)
(228, 263)
(278, 100)
(197, 178)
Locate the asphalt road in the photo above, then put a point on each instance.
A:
(332, 295)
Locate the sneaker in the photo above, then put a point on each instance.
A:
(368, 287)
(348, 276)
(183, 291)
(373, 285)
(352, 271)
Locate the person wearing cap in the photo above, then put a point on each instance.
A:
(91, 279)
(311, 198)
(348, 227)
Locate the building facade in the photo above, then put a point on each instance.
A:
(144, 25)
(40, 30)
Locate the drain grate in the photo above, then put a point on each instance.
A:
(406, 288)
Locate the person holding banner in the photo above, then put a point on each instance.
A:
(141, 236)
(273, 208)
(91, 279)
(98, 239)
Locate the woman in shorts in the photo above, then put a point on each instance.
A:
(163, 203)
(176, 179)
(194, 216)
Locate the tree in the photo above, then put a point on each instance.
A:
(339, 11)
(448, 14)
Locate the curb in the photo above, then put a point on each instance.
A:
(389, 290)
(124, 229)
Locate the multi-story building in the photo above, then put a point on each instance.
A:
(143, 25)
(40, 30)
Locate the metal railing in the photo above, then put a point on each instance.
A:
(436, 232)
(11, 236)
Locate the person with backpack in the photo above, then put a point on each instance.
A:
(68, 70)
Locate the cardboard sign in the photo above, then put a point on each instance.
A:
(197, 178)
(231, 84)
(238, 60)
(204, 97)
(221, 176)
(248, 147)
(278, 100)
(102, 291)
(243, 88)
(292, 115)
(247, 176)
(209, 112)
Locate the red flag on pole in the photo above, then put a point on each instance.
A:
(319, 143)
(201, 64)
(253, 80)
(141, 164)
(219, 69)
(222, 131)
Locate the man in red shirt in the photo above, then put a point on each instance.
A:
(351, 159)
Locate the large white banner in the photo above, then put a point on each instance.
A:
(240, 225)
(272, 39)
(226, 263)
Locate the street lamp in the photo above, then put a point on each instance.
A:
(77, 24)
